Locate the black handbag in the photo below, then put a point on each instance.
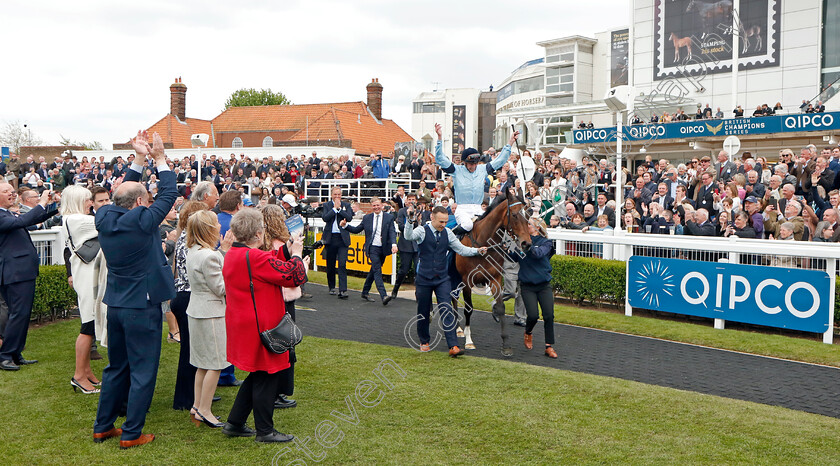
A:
(87, 251)
(285, 335)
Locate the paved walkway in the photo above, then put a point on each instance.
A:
(800, 386)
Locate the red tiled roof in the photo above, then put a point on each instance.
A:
(179, 133)
(335, 121)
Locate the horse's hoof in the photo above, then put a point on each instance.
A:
(460, 332)
(507, 352)
(469, 346)
(496, 318)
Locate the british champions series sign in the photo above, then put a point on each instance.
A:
(794, 299)
(711, 128)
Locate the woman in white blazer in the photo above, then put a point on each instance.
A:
(88, 281)
(206, 311)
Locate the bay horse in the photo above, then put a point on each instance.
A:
(504, 222)
(708, 12)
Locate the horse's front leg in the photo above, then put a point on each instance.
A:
(468, 310)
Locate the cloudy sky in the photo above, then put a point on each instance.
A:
(96, 70)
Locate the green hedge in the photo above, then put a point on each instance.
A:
(53, 295)
(588, 279)
(602, 281)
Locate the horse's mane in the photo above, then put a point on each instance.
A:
(496, 202)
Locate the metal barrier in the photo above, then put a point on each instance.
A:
(50, 245)
(620, 245)
(358, 189)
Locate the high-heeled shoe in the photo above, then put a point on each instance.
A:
(193, 418)
(208, 423)
(95, 384)
(171, 338)
(77, 385)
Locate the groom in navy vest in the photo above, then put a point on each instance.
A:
(434, 241)
(139, 279)
(380, 242)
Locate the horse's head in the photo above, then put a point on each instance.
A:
(516, 222)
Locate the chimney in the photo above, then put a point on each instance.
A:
(374, 98)
(178, 100)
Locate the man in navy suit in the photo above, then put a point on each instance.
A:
(336, 239)
(380, 242)
(18, 269)
(139, 279)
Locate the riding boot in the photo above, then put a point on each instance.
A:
(459, 231)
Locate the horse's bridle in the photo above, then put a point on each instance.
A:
(507, 228)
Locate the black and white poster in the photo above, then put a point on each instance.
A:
(459, 130)
(618, 57)
(695, 37)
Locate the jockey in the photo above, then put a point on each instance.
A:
(469, 179)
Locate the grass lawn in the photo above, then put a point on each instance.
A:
(780, 346)
(444, 411)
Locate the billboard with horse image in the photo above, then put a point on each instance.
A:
(694, 37)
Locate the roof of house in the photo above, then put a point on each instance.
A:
(177, 132)
(308, 122)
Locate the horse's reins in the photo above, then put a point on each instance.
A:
(507, 230)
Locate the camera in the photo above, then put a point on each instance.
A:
(308, 250)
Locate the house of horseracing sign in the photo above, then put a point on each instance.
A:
(709, 128)
(795, 299)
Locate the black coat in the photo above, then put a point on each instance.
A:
(329, 216)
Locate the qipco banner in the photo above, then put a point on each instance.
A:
(710, 128)
(794, 299)
(694, 37)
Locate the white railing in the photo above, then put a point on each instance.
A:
(360, 189)
(50, 245)
(620, 245)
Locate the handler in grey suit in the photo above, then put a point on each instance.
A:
(206, 311)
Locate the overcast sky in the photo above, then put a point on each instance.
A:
(97, 70)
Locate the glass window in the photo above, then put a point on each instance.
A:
(554, 80)
(559, 100)
(567, 78)
(552, 89)
(430, 107)
(268, 142)
(552, 72)
(552, 58)
(567, 87)
(831, 34)
(237, 143)
(567, 56)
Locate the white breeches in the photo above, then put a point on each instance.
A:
(464, 214)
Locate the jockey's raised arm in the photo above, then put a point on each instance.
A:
(469, 178)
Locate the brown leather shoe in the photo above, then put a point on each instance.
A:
(424, 348)
(141, 440)
(549, 351)
(103, 436)
(455, 351)
(529, 341)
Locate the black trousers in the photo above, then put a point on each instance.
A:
(543, 295)
(257, 393)
(185, 379)
(336, 251)
(286, 386)
(407, 261)
(19, 297)
(4, 316)
(374, 275)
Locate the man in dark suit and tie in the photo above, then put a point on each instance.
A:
(662, 197)
(18, 270)
(336, 239)
(705, 196)
(139, 279)
(406, 248)
(724, 169)
(380, 242)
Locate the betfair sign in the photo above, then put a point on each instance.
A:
(356, 257)
(711, 128)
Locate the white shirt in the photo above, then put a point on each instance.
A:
(377, 229)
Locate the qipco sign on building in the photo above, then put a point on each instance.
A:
(772, 296)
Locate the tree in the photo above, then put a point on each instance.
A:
(16, 134)
(93, 145)
(251, 97)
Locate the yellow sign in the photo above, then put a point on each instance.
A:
(356, 257)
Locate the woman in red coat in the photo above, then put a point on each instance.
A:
(244, 348)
